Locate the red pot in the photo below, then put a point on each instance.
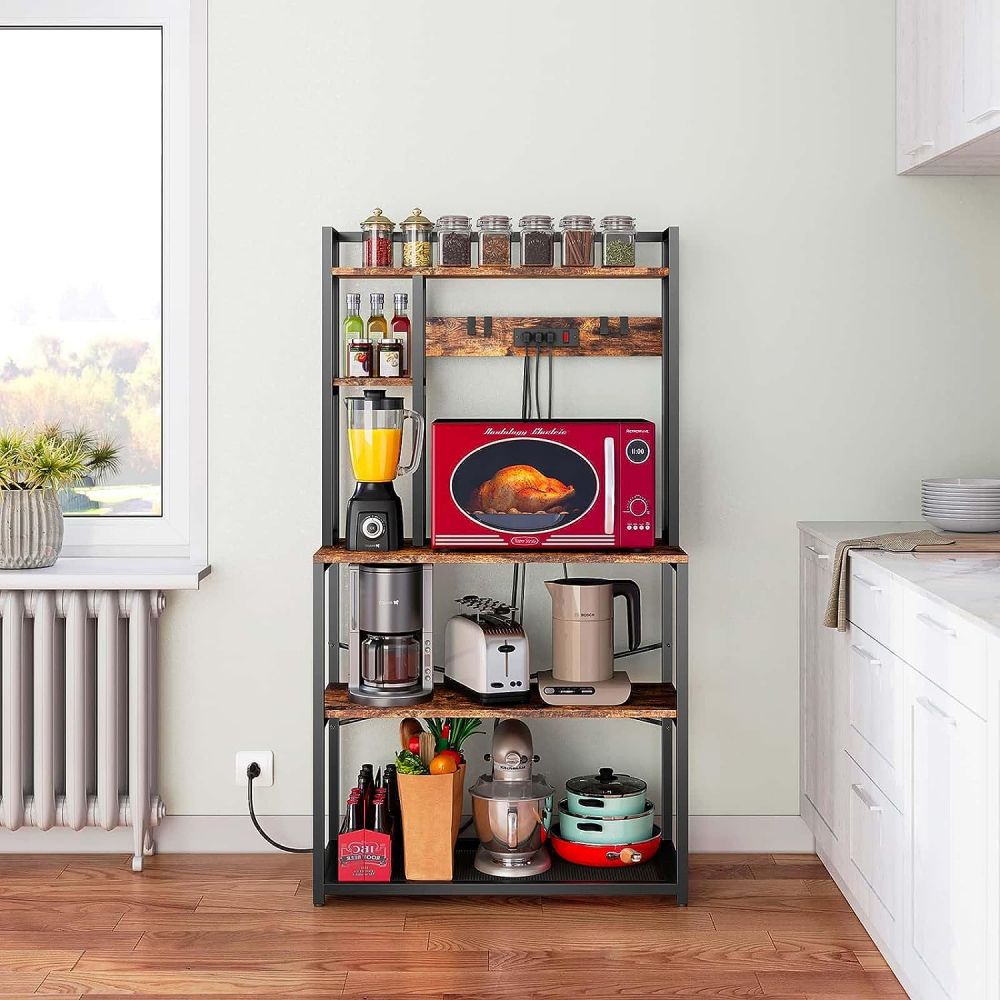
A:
(605, 855)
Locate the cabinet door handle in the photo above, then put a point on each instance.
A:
(816, 552)
(983, 115)
(938, 713)
(936, 625)
(870, 804)
(874, 588)
(872, 661)
(919, 147)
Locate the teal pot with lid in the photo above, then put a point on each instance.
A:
(605, 829)
(606, 794)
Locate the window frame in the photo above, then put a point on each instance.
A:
(181, 531)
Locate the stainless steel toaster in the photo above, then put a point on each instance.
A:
(488, 656)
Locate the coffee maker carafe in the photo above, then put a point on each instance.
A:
(583, 634)
(375, 437)
(390, 617)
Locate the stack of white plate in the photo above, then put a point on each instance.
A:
(961, 504)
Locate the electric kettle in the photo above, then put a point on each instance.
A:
(583, 632)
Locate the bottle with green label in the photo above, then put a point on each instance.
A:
(354, 326)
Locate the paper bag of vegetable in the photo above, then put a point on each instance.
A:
(432, 812)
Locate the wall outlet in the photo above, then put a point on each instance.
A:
(265, 758)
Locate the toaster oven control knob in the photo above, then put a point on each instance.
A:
(637, 506)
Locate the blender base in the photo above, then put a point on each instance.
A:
(374, 519)
(512, 865)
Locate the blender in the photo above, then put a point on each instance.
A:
(375, 436)
(390, 617)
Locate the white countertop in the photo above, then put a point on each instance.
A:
(108, 574)
(968, 583)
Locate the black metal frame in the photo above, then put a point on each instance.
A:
(667, 874)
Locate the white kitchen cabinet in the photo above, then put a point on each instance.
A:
(900, 756)
(946, 852)
(822, 685)
(948, 86)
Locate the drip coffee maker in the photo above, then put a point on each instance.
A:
(390, 617)
(375, 436)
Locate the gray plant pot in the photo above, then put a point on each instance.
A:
(31, 529)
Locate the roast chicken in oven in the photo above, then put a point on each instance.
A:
(520, 489)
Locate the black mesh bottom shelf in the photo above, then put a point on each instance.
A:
(655, 877)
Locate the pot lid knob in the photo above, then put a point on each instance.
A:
(606, 774)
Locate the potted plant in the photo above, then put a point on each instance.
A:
(34, 466)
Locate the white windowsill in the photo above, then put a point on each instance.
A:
(108, 574)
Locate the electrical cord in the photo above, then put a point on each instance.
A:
(253, 771)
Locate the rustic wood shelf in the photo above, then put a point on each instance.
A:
(659, 554)
(493, 337)
(389, 273)
(373, 382)
(648, 701)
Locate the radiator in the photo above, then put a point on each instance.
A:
(78, 711)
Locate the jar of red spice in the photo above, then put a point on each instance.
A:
(376, 240)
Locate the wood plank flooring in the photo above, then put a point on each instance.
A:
(238, 926)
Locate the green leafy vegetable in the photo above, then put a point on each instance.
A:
(408, 762)
(460, 731)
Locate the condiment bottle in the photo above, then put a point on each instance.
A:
(376, 241)
(377, 327)
(390, 359)
(400, 329)
(494, 240)
(577, 240)
(536, 240)
(354, 326)
(619, 241)
(417, 229)
(454, 241)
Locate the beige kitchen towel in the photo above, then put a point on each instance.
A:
(836, 606)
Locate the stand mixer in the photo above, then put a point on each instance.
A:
(512, 808)
(375, 436)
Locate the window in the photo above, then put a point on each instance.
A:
(102, 256)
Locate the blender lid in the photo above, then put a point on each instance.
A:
(606, 784)
(536, 788)
(375, 399)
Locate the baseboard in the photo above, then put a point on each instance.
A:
(235, 835)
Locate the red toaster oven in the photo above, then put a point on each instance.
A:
(558, 484)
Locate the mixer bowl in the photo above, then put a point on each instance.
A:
(512, 826)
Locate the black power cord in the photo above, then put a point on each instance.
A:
(253, 771)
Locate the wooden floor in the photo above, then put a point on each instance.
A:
(239, 926)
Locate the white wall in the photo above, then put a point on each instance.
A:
(839, 325)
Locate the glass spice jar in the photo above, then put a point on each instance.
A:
(619, 241)
(454, 241)
(577, 240)
(376, 240)
(417, 231)
(494, 240)
(536, 240)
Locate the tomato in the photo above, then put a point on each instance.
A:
(443, 763)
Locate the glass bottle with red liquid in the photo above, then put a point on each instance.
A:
(400, 329)
(376, 240)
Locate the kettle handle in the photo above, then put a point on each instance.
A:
(629, 589)
(418, 443)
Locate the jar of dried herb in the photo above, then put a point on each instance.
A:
(494, 240)
(454, 241)
(619, 241)
(376, 240)
(536, 240)
(577, 240)
(417, 231)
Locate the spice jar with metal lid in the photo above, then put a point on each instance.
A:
(536, 240)
(376, 240)
(619, 241)
(577, 240)
(454, 241)
(389, 355)
(417, 229)
(494, 240)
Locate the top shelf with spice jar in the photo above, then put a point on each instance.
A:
(388, 273)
